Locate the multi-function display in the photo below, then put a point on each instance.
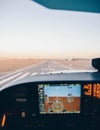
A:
(59, 98)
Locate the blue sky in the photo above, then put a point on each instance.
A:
(30, 30)
(62, 91)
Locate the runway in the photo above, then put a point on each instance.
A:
(45, 67)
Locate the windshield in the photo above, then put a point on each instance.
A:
(36, 40)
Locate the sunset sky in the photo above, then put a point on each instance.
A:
(28, 30)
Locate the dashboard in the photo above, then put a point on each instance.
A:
(55, 101)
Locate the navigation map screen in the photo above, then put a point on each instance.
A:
(59, 98)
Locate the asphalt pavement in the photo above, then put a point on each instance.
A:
(45, 67)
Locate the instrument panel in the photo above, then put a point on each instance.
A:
(45, 104)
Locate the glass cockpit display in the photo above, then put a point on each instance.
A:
(59, 98)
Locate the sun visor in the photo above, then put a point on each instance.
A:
(72, 5)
